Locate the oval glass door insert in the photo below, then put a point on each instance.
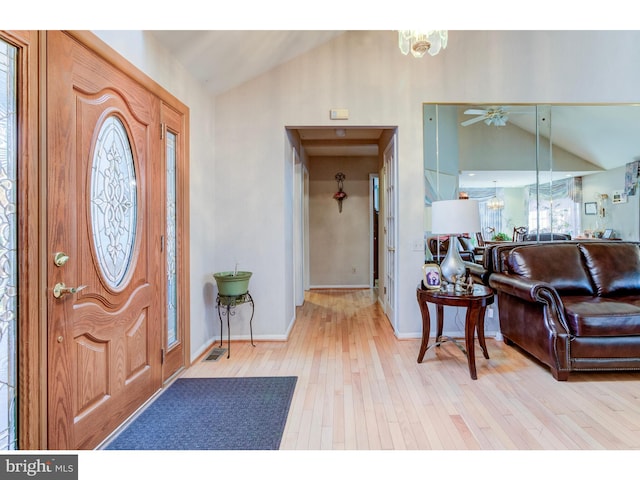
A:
(113, 201)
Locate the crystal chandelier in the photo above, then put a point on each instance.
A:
(495, 203)
(418, 42)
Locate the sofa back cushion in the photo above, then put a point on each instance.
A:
(496, 256)
(614, 267)
(558, 264)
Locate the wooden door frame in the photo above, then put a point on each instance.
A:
(32, 213)
(31, 320)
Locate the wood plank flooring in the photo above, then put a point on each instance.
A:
(360, 388)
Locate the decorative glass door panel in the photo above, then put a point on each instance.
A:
(8, 248)
(175, 343)
(113, 201)
(170, 242)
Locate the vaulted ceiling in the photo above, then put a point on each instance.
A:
(222, 59)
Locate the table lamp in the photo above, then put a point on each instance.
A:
(454, 217)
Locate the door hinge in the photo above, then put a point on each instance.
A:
(162, 355)
(161, 243)
(162, 127)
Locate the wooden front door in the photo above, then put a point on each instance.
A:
(104, 220)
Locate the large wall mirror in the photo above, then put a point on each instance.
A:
(547, 170)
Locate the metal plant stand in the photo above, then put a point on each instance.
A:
(229, 304)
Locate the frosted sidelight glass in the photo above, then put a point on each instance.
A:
(172, 294)
(8, 248)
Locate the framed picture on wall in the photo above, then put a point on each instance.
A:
(590, 208)
(432, 277)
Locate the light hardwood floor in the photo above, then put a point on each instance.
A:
(360, 388)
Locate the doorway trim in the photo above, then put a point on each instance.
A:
(373, 251)
(390, 230)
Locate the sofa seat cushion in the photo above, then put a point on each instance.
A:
(589, 316)
(614, 267)
(558, 264)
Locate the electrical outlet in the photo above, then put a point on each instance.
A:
(353, 269)
(490, 312)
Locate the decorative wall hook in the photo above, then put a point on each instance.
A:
(340, 195)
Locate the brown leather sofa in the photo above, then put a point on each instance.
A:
(438, 247)
(573, 305)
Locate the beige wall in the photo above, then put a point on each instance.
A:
(340, 243)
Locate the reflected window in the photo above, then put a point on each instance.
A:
(556, 207)
(492, 220)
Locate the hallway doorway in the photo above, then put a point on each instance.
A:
(330, 262)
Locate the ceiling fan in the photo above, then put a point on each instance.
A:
(493, 116)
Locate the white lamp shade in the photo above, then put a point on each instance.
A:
(455, 216)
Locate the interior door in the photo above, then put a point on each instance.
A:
(390, 229)
(104, 220)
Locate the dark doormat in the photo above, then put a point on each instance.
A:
(243, 413)
(215, 354)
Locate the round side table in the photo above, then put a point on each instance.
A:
(475, 302)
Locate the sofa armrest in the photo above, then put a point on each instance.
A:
(478, 273)
(517, 286)
(533, 291)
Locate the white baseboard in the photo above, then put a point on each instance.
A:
(338, 286)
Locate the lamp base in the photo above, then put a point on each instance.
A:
(452, 267)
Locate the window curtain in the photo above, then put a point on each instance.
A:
(555, 206)
(491, 221)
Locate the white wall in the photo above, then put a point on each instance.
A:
(239, 206)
